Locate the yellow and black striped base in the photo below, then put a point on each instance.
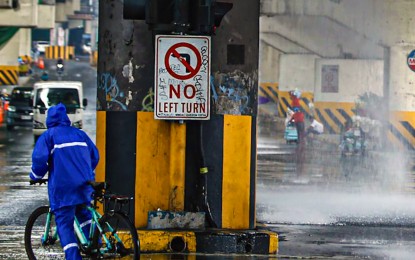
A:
(269, 91)
(93, 59)
(159, 164)
(401, 129)
(64, 52)
(217, 241)
(9, 75)
(334, 115)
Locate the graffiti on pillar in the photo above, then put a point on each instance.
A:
(233, 92)
(113, 96)
(148, 101)
(127, 71)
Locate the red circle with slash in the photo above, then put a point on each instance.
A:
(173, 51)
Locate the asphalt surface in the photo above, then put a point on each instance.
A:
(333, 207)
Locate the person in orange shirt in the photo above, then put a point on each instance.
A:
(295, 101)
(298, 118)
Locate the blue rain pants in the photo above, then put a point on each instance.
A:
(65, 218)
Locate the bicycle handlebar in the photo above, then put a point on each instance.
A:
(40, 181)
(100, 195)
(96, 185)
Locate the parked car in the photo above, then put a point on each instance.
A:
(41, 46)
(86, 48)
(20, 108)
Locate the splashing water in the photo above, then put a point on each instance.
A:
(376, 191)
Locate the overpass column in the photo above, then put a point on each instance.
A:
(187, 170)
(9, 67)
(401, 97)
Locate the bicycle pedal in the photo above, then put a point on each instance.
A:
(122, 250)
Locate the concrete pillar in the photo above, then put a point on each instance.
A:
(9, 67)
(385, 118)
(183, 167)
(401, 98)
(25, 41)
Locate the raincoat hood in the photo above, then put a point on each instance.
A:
(57, 116)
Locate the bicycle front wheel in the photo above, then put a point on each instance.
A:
(118, 239)
(40, 237)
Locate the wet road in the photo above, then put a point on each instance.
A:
(331, 208)
(17, 198)
(320, 206)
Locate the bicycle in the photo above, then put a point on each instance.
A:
(111, 235)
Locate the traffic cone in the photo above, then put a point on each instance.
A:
(1, 112)
(41, 64)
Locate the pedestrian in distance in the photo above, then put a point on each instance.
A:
(298, 118)
(315, 127)
(311, 106)
(69, 157)
(44, 76)
(295, 99)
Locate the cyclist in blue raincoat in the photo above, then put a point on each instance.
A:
(70, 157)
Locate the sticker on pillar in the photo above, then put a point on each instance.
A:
(411, 60)
(182, 72)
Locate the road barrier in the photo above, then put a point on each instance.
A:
(9, 75)
(334, 115)
(64, 52)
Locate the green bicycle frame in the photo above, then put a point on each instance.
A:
(86, 242)
(47, 228)
(83, 240)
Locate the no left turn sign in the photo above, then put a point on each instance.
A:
(173, 52)
(182, 73)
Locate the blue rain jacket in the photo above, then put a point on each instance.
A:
(69, 155)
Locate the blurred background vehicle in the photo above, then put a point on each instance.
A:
(50, 93)
(20, 109)
(41, 46)
(86, 48)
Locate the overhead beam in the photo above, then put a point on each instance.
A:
(284, 44)
(322, 36)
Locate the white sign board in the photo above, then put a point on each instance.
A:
(182, 72)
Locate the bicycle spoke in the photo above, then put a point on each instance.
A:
(114, 235)
(121, 237)
(39, 246)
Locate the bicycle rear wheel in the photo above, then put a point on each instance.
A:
(37, 247)
(117, 225)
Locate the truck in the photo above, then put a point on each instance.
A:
(50, 93)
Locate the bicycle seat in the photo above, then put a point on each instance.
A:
(119, 198)
(98, 185)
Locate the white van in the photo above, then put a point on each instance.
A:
(50, 93)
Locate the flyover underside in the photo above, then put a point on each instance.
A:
(319, 35)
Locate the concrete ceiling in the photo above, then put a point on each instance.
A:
(319, 35)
